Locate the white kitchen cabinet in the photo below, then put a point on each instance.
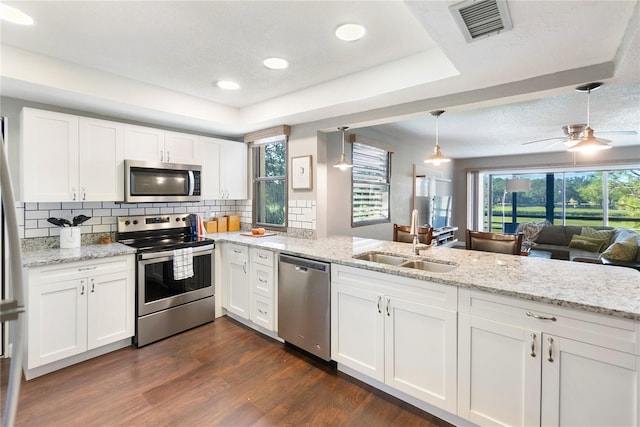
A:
(396, 330)
(71, 158)
(208, 154)
(143, 143)
(224, 168)
(233, 170)
(157, 145)
(262, 278)
(79, 306)
(101, 160)
(49, 156)
(236, 287)
(527, 363)
(180, 148)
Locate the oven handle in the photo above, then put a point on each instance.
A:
(196, 251)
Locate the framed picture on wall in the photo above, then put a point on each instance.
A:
(301, 173)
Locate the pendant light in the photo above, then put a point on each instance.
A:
(437, 157)
(343, 164)
(589, 144)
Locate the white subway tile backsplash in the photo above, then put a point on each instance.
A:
(36, 232)
(36, 214)
(91, 205)
(166, 210)
(119, 212)
(33, 223)
(109, 220)
(49, 206)
(101, 212)
(102, 228)
(151, 211)
(31, 206)
(65, 205)
(136, 211)
(110, 205)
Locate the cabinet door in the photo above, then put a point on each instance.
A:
(583, 384)
(498, 373)
(49, 154)
(101, 165)
(357, 330)
(237, 280)
(420, 351)
(180, 148)
(208, 155)
(111, 309)
(233, 170)
(143, 143)
(57, 321)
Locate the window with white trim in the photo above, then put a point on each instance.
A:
(270, 184)
(370, 185)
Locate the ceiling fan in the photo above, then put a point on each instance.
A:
(582, 133)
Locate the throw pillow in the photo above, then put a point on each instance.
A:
(531, 231)
(586, 243)
(622, 251)
(606, 235)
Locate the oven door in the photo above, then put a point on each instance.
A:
(157, 289)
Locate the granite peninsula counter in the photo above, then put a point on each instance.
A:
(50, 256)
(595, 288)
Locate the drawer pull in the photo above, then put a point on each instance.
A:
(87, 268)
(262, 312)
(237, 251)
(379, 301)
(550, 359)
(261, 280)
(388, 302)
(262, 256)
(537, 316)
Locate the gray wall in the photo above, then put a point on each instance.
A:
(405, 154)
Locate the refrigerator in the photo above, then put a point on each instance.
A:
(12, 312)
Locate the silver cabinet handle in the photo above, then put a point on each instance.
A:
(237, 251)
(261, 280)
(262, 256)
(161, 156)
(550, 359)
(379, 302)
(262, 312)
(387, 308)
(84, 193)
(533, 345)
(93, 285)
(82, 287)
(168, 154)
(75, 196)
(537, 316)
(244, 267)
(87, 268)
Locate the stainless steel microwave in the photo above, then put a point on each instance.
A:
(161, 182)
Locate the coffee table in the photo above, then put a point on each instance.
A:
(539, 254)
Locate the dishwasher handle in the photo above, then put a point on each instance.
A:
(303, 264)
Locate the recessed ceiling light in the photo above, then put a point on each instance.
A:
(227, 84)
(350, 32)
(276, 63)
(11, 14)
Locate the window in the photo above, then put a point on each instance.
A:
(270, 184)
(609, 198)
(370, 180)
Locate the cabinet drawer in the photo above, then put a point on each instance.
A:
(262, 280)
(262, 311)
(261, 256)
(594, 328)
(74, 270)
(236, 253)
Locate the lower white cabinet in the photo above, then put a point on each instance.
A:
(236, 289)
(79, 306)
(523, 363)
(396, 330)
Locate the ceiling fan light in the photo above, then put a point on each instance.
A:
(589, 144)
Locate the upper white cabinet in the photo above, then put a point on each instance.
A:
(396, 330)
(224, 168)
(523, 363)
(157, 145)
(70, 158)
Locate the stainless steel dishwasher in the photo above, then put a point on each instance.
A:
(303, 304)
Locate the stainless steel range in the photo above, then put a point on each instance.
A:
(167, 302)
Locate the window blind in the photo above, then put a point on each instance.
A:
(370, 184)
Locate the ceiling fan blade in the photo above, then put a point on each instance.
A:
(617, 132)
(559, 138)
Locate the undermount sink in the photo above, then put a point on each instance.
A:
(397, 261)
(382, 258)
(436, 267)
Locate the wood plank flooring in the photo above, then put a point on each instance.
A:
(220, 374)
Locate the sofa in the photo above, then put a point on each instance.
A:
(573, 243)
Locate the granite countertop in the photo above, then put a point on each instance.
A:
(56, 255)
(590, 287)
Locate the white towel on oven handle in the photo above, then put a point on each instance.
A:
(182, 263)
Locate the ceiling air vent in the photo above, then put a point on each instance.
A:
(481, 18)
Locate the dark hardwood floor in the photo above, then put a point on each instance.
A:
(220, 374)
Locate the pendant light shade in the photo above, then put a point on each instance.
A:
(588, 143)
(437, 157)
(343, 164)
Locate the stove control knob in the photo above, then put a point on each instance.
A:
(127, 222)
(135, 222)
(178, 219)
(184, 218)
